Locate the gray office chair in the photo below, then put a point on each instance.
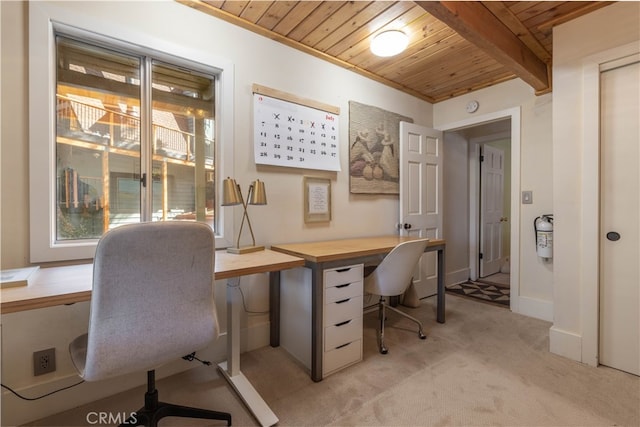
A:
(152, 302)
(392, 278)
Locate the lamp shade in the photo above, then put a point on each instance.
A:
(230, 193)
(389, 43)
(258, 195)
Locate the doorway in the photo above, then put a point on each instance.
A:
(463, 142)
(493, 202)
(489, 148)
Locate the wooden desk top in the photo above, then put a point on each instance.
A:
(233, 265)
(70, 284)
(50, 286)
(332, 250)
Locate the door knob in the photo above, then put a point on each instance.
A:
(613, 236)
(407, 226)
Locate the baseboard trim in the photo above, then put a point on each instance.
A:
(533, 307)
(459, 276)
(565, 343)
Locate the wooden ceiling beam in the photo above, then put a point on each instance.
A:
(517, 27)
(474, 22)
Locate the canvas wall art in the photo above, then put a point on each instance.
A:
(374, 149)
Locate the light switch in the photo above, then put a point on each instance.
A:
(527, 197)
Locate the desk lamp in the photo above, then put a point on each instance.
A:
(231, 196)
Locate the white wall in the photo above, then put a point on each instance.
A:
(456, 206)
(534, 296)
(256, 60)
(14, 233)
(579, 46)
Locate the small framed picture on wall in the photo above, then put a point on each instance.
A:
(317, 199)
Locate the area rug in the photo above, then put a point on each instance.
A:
(482, 291)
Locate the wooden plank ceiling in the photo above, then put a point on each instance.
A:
(454, 48)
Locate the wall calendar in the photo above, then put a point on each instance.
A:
(292, 132)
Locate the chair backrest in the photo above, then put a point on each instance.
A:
(152, 299)
(393, 275)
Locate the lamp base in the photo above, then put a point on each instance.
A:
(245, 249)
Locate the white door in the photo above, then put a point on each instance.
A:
(421, 195)
(491, 209)
(619, 212)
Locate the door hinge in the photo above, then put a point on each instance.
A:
(481, 158)
(143, 179)
(480, 256)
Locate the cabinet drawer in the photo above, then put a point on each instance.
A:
(342, 333)
(341, 292)
(342, 357)
(343, 275)
(342, 310)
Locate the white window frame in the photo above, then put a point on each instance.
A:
(43, 16)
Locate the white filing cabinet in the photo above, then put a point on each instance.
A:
(342, 314)
(342, 337)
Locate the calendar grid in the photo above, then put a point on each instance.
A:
(293, 135)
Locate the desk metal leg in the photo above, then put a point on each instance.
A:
(274, 308)
(231, 367)
(441, 290)
(317, 321)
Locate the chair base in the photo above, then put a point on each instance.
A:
(150, 417)
(153, 410)
(382, 317)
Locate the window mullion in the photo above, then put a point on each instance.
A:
(146, 140)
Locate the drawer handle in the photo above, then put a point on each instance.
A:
(343, 286)
(342, 270)
(343, 323)
(343, 301)
(343, 345)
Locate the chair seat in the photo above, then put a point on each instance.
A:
(371, 287)
(78, 352)
(391, 278)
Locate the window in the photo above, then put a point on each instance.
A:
(102, 177)
(133, 137)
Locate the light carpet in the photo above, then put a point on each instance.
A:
(484, 367)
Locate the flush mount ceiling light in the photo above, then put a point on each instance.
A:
(389, 43)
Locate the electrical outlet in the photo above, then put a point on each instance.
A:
(44, 361)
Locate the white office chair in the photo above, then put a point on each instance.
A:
(392, 278)
(152, 303)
